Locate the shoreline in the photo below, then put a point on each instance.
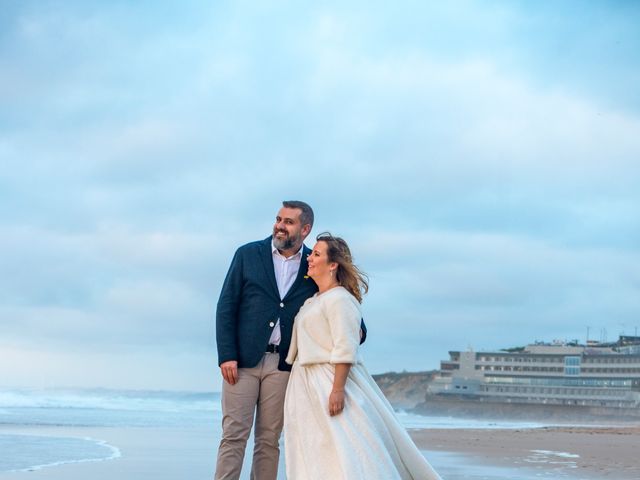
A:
(568, 451)
(159, 453)
(528, 453)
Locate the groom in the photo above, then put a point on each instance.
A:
(262, 293)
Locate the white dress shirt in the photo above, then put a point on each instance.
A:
(286, 272)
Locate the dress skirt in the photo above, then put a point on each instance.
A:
(365, 441)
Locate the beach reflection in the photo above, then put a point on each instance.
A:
(454, 466)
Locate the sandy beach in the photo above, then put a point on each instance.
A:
(146, 454)
(571, 453)
(553, 452)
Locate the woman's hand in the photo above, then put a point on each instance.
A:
(336, 402)
(336, 398)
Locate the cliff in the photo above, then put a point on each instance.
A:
(405, 390)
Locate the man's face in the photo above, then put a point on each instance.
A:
(288, 231)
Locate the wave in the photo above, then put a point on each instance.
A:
(35, 452)
(411, 420)
(104, 399)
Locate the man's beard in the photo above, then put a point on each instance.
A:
(286, 243)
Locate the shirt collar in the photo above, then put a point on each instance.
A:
(275, 251)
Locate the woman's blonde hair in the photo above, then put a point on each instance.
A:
(348, 275)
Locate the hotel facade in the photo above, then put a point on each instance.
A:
(592, 375)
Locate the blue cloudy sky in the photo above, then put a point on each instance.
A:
(481, 157)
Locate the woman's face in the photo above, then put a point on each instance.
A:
(319, 265)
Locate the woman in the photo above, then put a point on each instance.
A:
(338, 424)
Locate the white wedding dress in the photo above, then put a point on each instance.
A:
(365, 441)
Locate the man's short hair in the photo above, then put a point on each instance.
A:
(306, 217)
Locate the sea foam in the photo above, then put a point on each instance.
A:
(22, 453)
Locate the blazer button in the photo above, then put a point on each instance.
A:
(271, 324)
(281, 305)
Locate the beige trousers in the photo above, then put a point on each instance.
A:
(259, 391)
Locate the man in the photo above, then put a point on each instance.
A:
(262, 293)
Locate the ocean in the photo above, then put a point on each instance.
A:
(25, 408)
(42, 430)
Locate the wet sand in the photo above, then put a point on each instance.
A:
(571, 453)
(554, 452)
(146, 454)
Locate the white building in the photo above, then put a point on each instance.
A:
(565, 374)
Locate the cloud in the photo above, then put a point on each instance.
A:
(484, 172)
(430, 289)
(140, 370)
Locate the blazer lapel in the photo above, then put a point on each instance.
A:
(266, 256)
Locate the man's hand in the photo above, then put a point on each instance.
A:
(229, 371)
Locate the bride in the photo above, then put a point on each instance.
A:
(337, 423)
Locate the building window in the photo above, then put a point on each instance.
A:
(572, 366)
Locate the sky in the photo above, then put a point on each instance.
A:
(482, 159)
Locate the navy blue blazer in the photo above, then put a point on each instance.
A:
(250, 305)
